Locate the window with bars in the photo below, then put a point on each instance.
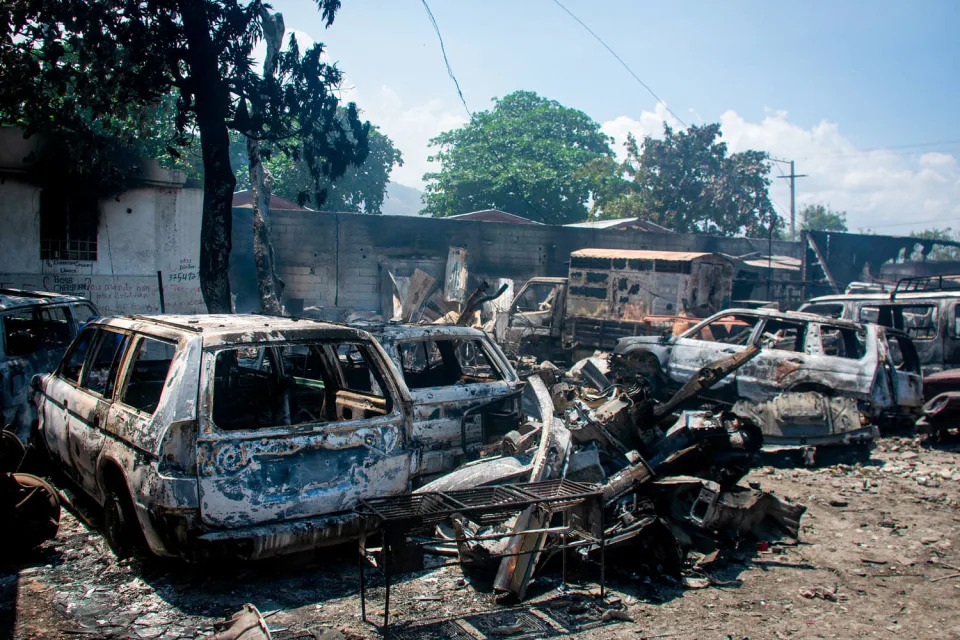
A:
(68, 226)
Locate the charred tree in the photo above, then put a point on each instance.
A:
(269, 285)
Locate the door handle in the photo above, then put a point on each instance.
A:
(96, 422)
(66, 404)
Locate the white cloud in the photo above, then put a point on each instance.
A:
(410, 126)
(890, 191)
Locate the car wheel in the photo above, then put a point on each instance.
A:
(120, 526)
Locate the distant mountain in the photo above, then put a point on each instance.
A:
(402, 200)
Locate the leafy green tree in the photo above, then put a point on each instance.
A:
(361, 189)
(689, 183)
(818, 217)
(83, 69)
(526, 156)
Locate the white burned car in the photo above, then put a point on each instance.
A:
(875, 367)
(249, 435)
(465, 392)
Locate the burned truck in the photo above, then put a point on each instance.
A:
(610, 294)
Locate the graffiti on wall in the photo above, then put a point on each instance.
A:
(113, 295)
(181, 287)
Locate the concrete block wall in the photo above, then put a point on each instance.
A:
(336, 260)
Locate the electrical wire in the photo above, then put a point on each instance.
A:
(490, 148)
(621, 61)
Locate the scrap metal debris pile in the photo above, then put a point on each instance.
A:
(669, 480)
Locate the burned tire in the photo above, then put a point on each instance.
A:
(30, 510)
(120, 526)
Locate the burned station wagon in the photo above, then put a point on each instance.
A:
(35, 329)
(814, 380)
(246, 434)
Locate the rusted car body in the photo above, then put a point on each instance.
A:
(874, 366)
(926, 309)
(35, 329)
(463, 389)
(249, 435)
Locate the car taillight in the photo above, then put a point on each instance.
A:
(178, 449)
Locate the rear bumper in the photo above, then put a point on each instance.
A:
(181, 535)
(866, 434)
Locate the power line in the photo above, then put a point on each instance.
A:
(621, 61)
(446, 61)
(503, 166)
(896, 150)
(904, 224)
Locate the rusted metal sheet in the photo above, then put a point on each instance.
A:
(809, 419)
(455, 278)
(632, 285)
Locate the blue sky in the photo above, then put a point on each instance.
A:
(840, 87)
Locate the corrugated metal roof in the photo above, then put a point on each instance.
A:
(641, 254)
(493, 215)
(621, 223)
(244, 200)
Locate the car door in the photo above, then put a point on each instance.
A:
(61, 395)
(88, 412)
(719, 337)
(298, 433)
(903, 369)
(781, 358)
(461, 393)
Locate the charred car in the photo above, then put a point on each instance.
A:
(246, 435)
(813, 381)
(463, 388)
(35, 329)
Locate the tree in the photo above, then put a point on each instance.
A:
(818, 217)
(83, 69)
(525, 156)
(687, 182)
(362, 189)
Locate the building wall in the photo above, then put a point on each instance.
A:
(152, 227)
(337, 262)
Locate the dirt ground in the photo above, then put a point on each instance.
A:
(878, 557)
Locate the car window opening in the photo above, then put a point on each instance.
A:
(148, 375)
(34, 330)
(258, 387)
(917, 321)
(728, 329)
(444, 362)
(842, 342)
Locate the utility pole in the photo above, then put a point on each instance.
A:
(793, 196)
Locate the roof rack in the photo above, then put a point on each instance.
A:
(167, 323)
(943, 282)
(29, 294)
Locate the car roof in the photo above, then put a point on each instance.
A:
(419, 331)
(226, 329)
(791, 315)
(18, 298)
(885, 297)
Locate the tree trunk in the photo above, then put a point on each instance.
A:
(269, 285)
(211, 101)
